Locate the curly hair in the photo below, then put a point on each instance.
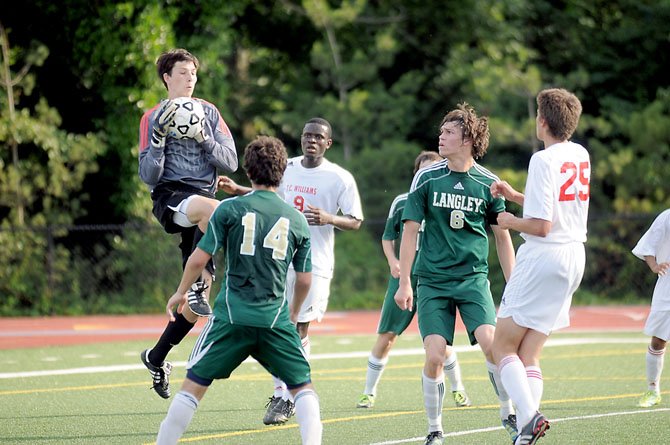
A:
(475, 128)
(561, 110)
(167, 60)
(265, 160)
(426, 156)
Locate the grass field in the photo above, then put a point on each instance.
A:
(99, 394)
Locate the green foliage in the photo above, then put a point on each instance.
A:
(361, 272)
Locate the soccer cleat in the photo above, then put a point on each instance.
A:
(281, 412)
(649, 399)
(434, 438)
(366, 401)
(510, 426)
(533, 430)
(272, 403)
(159, 374)
(197, 299)
(461, 398)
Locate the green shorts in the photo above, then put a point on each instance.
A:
(393, 319)
(222, 347)
(438, 301)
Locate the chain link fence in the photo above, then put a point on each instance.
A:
(132, 268)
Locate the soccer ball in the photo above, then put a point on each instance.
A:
(189, 119)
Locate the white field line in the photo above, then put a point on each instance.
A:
(355, 354)
(564, 419)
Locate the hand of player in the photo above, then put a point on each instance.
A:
(505, 220)
(662, 269)
(317, 217)
(164, 118)
(227, 185)
(404, 298)
(394, 268)
(502, 189)
(178, 299)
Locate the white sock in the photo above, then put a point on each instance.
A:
(514, 379)
(374, 373)
(280, 386)
(178, 417)
(453, 372)
(654, 368)
(308, 414)
(433, 399)
(506, 407)
(306, 346)
(536, 384)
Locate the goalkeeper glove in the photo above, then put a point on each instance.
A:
(164, 118)
(202, 136)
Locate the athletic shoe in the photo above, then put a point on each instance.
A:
(461, 398)
(366, 401)
(159, 374)
(197, 299)
(533, 430)
(510, 426)
(272, 403)
(282, 411)
(434, 438)
(649, 399)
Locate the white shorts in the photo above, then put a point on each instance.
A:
(539, 292)
(316, 302)
(179, 216)
(658, 325)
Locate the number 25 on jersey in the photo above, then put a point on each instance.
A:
(576, 186)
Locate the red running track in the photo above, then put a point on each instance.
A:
(35, 332)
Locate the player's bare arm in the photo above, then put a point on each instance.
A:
(505, 250)
(503, 189)
(531, 226)
(319, 217)
(194, 266)
(227, 185)
(404, 297)
(303, 281)
(388, 246)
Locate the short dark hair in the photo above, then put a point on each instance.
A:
(426, 156)
(265, 160)
(321, 121)
(561, 110)
(475, 128)
(167, 60)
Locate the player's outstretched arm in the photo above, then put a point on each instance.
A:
(503, 189)
(231, 187)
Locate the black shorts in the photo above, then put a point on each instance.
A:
(166, 195)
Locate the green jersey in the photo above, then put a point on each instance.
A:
(394, 226)
(456, 207)
(260, 235)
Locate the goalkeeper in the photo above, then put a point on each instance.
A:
(182, 176)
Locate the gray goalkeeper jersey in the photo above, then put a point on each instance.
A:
(185, 160)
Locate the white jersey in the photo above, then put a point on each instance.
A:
(328, 187)
(656, 242)
(558, 190)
